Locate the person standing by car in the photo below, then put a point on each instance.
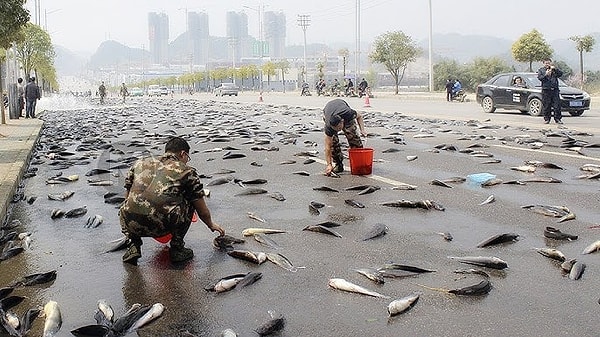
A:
(549, 75)
(32, 95)
(338, 116)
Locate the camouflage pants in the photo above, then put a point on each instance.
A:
(354, 141)
(136, 226)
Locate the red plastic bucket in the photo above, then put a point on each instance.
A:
(166, 238)
(361, 161)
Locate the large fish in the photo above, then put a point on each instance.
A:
(34, 279)
(403, 304)
(354, 203)
(255, 257)
(252, 191)
(225, 284)
(153, 313)
(226, 242)
(282, 261)
(552, 253)
(251, 231)
(377, 230)
(372, 274)
(341, 284)
(577, 270)
(105, 314)
(556, 234)
(321, 229)
(478, 289)
(482, 261)
(76, 212)
(53, 319)
(593, 247)
(61, 196)
(273, 325)
(498, 239)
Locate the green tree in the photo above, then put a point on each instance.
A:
(35, 50)
(13, 17)
(320, 68)
(447, 69)
(564, 67)
(481, 69)
(583, 44)
(394, 50)
(269, 68)
(284, 66)
(531, 47)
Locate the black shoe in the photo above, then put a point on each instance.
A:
(132, 254)
(180, 254)
(338, 168)
(559, 121)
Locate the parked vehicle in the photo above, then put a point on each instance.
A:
(154, 90)
(164, 91)
(229, 89)
(501, 91)
(136, 91)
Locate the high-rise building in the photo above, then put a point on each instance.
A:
(274, 28)
(237, 35)
(158, 34)
(199, 37)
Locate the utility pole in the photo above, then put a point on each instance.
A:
(357, 58)
(304, 22)
(430, 50)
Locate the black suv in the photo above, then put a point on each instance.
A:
(504, 91)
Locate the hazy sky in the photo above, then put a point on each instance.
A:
(82, 25)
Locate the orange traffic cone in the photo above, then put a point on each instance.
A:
(260, 99)
(367, 102)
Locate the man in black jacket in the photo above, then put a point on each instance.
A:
(548, 75)
(32, 95)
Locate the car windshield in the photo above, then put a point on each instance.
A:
(228, 85)
(535, 82)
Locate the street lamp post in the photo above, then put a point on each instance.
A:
(304, 22)
(357, 58)
(259, 10)
(46, 12)
(430, 50)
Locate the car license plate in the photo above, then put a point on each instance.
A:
(575, 103)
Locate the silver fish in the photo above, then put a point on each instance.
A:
(252, 191)
(61, 196)
(551, 253)
(341, 284)
(93, 222)
(226, 283)
(404, 187)
(372, 274)
(255, 257)
(321, 229)
(251, 231)
(577, 270)
(478, 289)
(153, 313)
(403, 304)
(483, 261)
(53, 320)
(282, 261)
(255, 217)
(104, 314)
(76, 212)
(273, 325)
(489, 199)
(354, 203)
(593, 247)
(498, 239)
(228, 333)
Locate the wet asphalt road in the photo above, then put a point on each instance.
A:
(530, 298)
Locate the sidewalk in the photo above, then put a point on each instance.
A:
(17, 139)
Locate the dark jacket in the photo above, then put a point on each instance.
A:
(32, 91)
(549, 82)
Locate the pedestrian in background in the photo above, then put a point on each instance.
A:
(32, 95)
(123, 92)
(161, 196)
(20, 96)
(449, 87)
(339, 116)
(549, 75)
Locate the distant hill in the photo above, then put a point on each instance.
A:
(462, 48)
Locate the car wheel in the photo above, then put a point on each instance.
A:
(535, 107)
(487, 103)
(576, 113)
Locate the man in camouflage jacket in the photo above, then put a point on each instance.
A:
(162, 194)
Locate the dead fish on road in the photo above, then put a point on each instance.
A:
(354, 203)
(411, 158)
(437, 182)
(538, 163)
(552, 253)
(321, 229)
(325, 189)
(35, 279)
(76, 212)
(282, 261)
(254, 230)
(593, 247)
(96, 171)
(301, 173)
(489, 199)
(251, 191)
(61, 196)
(329, 224)
(372, 274)
(251, 215)
(404, 267)
(498, 239)
(403, 304)
(254, 257)
(370, 189)
(277, 196)
(561, 212)
(524, 168)
(481, 288)
(254, 182)
(491, 182)
(482, 261)
(341, 284)
(265, 241)
(377, 230)
(556, 234)
(425, 204)
(226, 283)
(94, 221)
(577, 270)
(541, 179)
(98, 182)
(447, 236)
(53, 320)
(220, 181)
(404, 187)
(233, 155)
(226, 242)
(272, 326)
